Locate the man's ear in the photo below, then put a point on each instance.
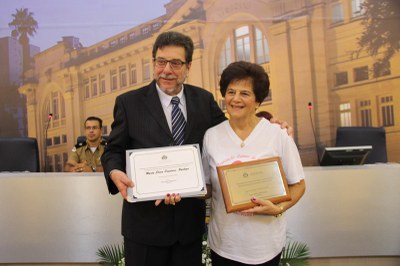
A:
(189, 65)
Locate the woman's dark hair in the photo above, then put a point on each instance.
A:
(242, 71)
(173, 38)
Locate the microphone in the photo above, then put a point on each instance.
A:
(49, 117)
(310, 107)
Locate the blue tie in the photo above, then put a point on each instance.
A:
(178, 122)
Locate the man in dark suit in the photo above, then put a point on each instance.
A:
(154, 233)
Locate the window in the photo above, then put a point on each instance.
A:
(365, 113)
(105, 130)
(132, 35)
(132, 74)
(122, 40)
(86, 87)
(56, 107)
(114, 79)
(356, 8)
(65, 158)
(49, 142)
(146, 69)
(222, 104)
(242, 35)
(246, 43)
(57, 140)
(57, 163)
(145, 30)
(345, 115)
(64, 138)
(341, 78)
(122, 76)
(113, 43)
(156, 25)
(225, 57)
(50, 163)
(102, 83)
(387, 113)
(93, 82)
(262, 48)
(104, 46)
(361, 73)
(337, 13)
(381, 69)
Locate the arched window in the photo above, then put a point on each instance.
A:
(245, 43)
(56, 106)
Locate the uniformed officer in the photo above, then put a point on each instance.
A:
(85, 157)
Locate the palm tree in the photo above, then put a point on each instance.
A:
(23, 26)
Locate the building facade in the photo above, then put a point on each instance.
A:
(306, 46)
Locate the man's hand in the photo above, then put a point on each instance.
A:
(82, 167)
(122, 182)
(73, 166)
(284, 125)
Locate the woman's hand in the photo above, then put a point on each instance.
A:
(264, 207)
(170, 199)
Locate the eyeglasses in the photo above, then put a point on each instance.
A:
(175, 64)
(93, 127)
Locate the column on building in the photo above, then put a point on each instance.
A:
(291, 52)
(72, 106)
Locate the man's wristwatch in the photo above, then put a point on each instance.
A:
(93, 168)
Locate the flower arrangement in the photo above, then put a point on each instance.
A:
(294, 254)
(114, 254)
(206, 256)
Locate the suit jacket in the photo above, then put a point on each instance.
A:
(139, 122)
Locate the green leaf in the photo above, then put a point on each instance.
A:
(110, 254)
(295, 254)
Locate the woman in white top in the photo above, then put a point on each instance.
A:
(254, 236)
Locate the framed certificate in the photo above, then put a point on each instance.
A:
(158, 171)
(262, 178)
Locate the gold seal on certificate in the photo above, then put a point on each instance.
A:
(262, 179)
(158, 171)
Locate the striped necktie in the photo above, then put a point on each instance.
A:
(178, 122)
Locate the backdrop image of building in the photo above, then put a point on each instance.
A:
(12, 104)
(308, 48)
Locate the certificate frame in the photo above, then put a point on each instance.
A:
(262, 178)
(158, 171)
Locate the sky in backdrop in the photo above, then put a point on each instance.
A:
(90, 20)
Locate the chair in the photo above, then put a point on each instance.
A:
(19, 154)
(359, 136)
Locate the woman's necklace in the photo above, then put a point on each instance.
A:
(243, 135)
